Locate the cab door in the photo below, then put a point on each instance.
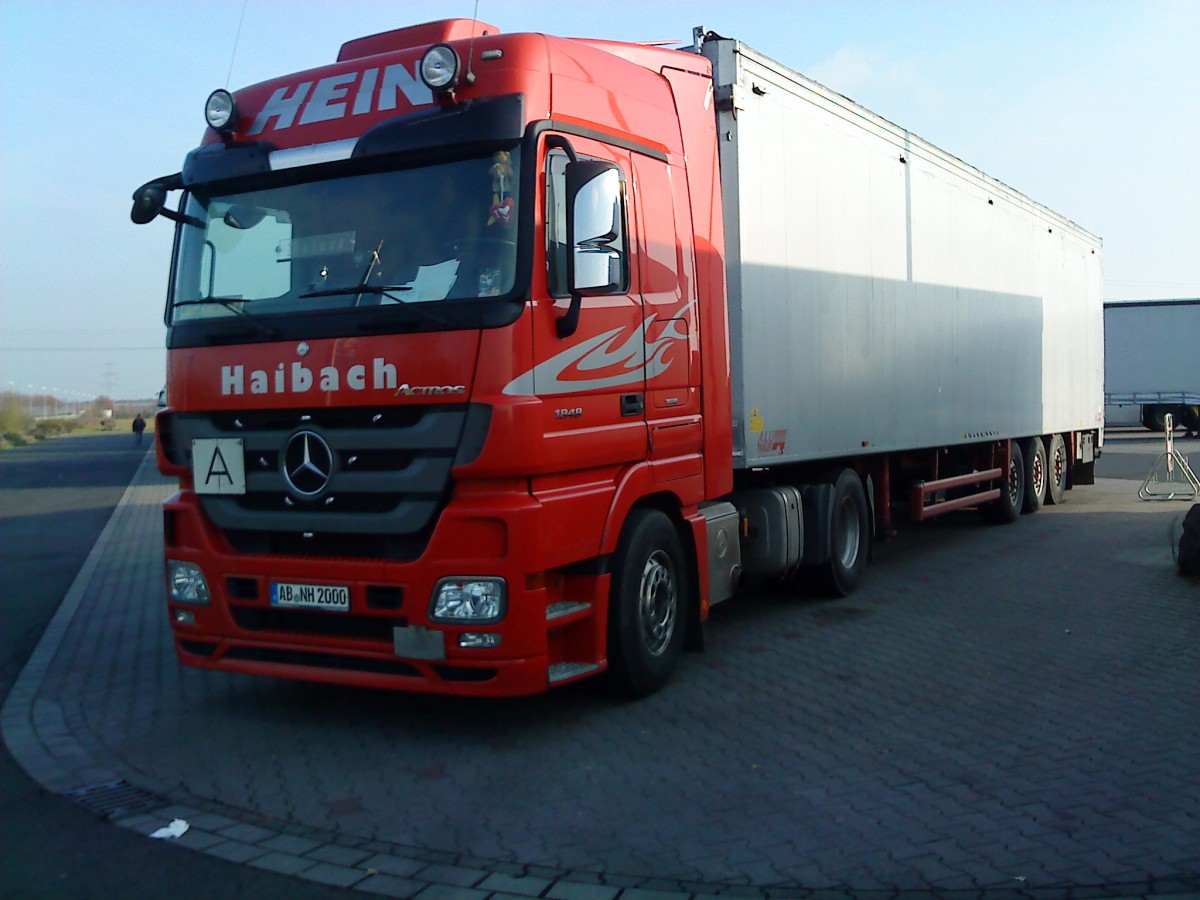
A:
(592, 378)
(666, 268)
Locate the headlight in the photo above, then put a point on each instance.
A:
(220, 111)
(439, 68)
(186, 583)
(469, 600)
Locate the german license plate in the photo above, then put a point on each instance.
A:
(310, 596)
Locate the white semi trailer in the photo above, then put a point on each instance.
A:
(1152, 363)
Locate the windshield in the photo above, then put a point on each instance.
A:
(435, 233)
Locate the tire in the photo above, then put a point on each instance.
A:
(647, 605)
(1155, 417)
(1012, 494)
(1189, 417)
(849, 538)
(1057, 466)
(1189, 542)
(1036, 474)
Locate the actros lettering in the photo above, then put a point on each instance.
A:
(354, 92)
(431, 390)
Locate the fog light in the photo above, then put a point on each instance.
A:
(474, 639)
(469, 600)
(186, 583)
(183, 616)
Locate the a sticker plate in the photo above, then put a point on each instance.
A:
(218, 466)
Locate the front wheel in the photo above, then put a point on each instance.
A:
(647, 604)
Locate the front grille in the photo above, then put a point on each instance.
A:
(333, 625)
(346, 546)
(385, 475)
(323, 661)
(242, 588)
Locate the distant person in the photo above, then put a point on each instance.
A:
(139, 425)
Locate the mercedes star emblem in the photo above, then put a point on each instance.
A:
(307, 463)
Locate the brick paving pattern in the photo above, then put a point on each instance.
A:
(1004, 710)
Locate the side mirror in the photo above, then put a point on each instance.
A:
(594, 265)
(148, 201)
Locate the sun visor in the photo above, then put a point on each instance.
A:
(488, 121)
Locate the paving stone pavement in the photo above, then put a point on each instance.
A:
(999, 711)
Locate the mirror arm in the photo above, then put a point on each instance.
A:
(566, 324)
(181, 217)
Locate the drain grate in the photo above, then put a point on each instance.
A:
(114, 799)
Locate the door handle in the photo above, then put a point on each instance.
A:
(632, 404)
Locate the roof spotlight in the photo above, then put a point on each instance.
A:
(440, 68)
(220, 111)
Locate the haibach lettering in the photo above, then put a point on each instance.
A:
(299, 378)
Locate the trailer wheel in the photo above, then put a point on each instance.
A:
(1008, 507)
(849, 538)
(1036, 475)
(1189, 417)
(647, 605)
(1155, 417)
(1056, 469)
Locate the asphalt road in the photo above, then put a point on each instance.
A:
(1043, 706)
(55, 498)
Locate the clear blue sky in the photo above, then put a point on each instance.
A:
(1088, 107)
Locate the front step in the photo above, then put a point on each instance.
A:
(567, 671)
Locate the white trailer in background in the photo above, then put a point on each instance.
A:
(1152, 363)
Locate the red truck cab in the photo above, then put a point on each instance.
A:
(447, 367)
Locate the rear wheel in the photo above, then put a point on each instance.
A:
(1012, 492)
(1036, 474)
(849, 538)
(647, 605)
(1056, 469)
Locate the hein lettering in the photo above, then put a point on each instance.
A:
(333, 97)
(299, 379)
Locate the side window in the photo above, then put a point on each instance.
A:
(556, 223)
(557, 249)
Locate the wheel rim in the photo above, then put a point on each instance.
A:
(658, 602)
(1038, 474)
(847, 534)
(1014, 483)
(1059, 463)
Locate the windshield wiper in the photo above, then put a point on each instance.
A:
(383, 290)
(231, 304)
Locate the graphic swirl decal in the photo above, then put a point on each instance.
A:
(603, 361)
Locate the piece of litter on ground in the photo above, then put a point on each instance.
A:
(177, 828)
